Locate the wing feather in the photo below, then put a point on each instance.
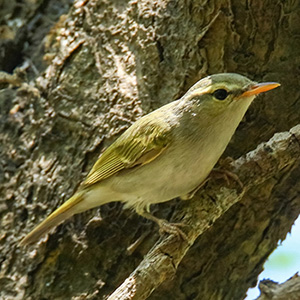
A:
(140, 144)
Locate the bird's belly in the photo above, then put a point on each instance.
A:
(169, 176)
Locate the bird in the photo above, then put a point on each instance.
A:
(165, 154)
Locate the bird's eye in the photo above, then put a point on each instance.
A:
(220, 94)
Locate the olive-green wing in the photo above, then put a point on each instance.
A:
(140, 144)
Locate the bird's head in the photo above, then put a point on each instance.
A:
(226, 93)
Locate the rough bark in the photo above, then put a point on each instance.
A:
(109, 63)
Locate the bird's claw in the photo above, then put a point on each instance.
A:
(226, 174)
(172, 228)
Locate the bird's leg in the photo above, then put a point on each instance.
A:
(226, 174)
(192, 193)
(164, 225)
(216, 173)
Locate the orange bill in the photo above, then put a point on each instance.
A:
(260, 88)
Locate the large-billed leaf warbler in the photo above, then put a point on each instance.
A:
(165, 154)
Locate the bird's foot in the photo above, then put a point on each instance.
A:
(165, 226)
(172, 228)
(226, 175)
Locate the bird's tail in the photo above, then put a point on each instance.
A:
(65, 211)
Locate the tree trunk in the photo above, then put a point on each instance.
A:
(109, 63)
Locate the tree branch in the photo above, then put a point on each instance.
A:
(289, 290)
(281, 152)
